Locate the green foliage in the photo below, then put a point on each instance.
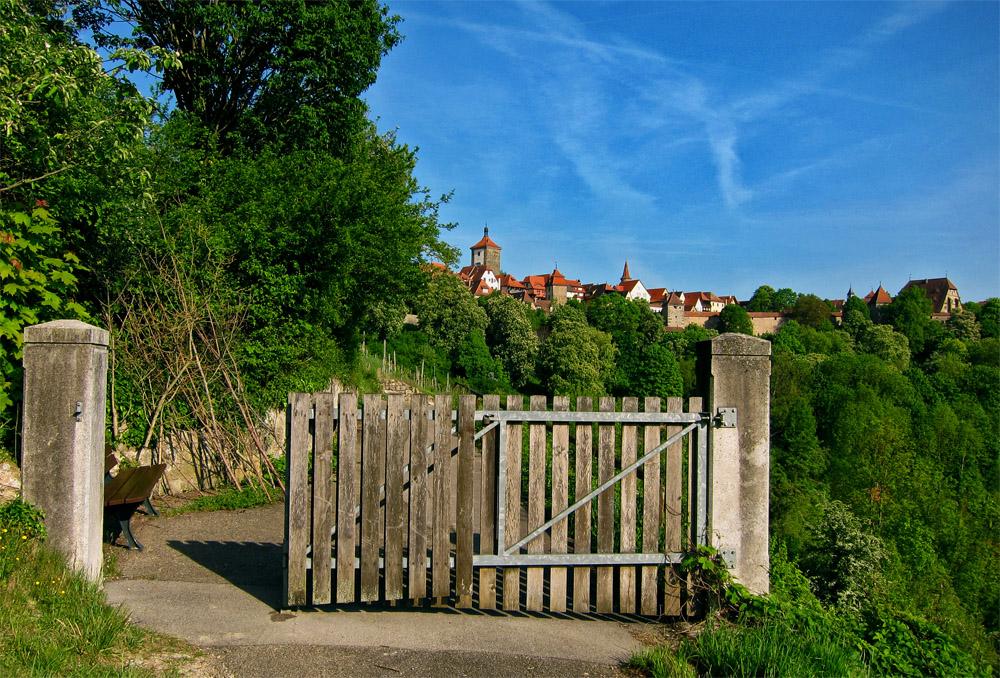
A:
(259, 74)
(64, 119)
(474, 362)
(811, 311)
(621, 317)
(762, 299)
(963, 325)
(910, 315)
(766, 299)
(989, 317)
(576, 359)
(858, 304)
(734, 318)
(447, 312)
(233, 498)
(38, 284)
(510, 336)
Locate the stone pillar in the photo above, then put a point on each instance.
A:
(62, 449)
(734, 371)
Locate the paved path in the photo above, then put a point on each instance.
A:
(214, 579)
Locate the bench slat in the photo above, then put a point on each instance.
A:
(132, 485)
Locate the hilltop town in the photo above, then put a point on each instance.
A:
(484, 276)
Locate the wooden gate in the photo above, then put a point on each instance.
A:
(404, 500)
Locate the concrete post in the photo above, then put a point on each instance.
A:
(62, 449)
(735, 371)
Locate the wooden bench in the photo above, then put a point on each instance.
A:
(124, 493)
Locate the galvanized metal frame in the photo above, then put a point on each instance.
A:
(696, 424)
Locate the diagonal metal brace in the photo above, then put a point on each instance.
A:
(606, 485)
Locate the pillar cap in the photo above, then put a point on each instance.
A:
(65, 332)
(734, 343)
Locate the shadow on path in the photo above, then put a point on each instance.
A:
(253, 567)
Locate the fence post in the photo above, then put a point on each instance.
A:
(734, 370)
(62, 448)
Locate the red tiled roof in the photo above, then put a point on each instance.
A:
(485, 242)
(628, 285)
(936, 289)
(878, 297)
(657, 294)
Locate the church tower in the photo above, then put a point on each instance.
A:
(486, 252)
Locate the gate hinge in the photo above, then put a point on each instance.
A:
(726, 418)
(729, 558)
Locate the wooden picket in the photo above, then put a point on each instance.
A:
(412, 512)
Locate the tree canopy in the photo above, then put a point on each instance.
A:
(258, 73)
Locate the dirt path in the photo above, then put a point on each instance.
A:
(214, 580)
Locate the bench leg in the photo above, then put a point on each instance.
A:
(148, 508)
(125, 524)
(118, 521)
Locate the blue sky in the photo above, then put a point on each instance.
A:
(716, 146)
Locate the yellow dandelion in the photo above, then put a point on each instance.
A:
(36, 583)
(24, 536)
(62, 592)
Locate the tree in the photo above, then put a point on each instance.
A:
(910, 314)
(858, 304)
(473, 360)
(812, 311)
(887, 344)
(259, 72)
(734, 318)
(618, 316)
(575, 359)
(447, 312)
(963, 325)
(989, 318)
(783, 299)
(762, 300)
(510, 336)
(659, 376)
(64, 118)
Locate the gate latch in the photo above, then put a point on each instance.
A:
(726, 418)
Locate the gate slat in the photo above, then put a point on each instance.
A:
(347, 456)
(397, 439)
(512, 575)
(420, 440)
(372, 448)
(582, 516)
(651, 504)
(323, 502)
(464, 509)
(606, 508)
(441, 541)
(297, 523)
(488, 511)
(560, 500)
(694, 405)
(629, 501)
(673, 487)
(536, 504)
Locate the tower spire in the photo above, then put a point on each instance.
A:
(626, 276)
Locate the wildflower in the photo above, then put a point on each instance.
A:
(62, 592)
(24, 536)
(36, 583)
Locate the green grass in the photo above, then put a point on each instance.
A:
(768, 650)
(55, 623)
(230, 498)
